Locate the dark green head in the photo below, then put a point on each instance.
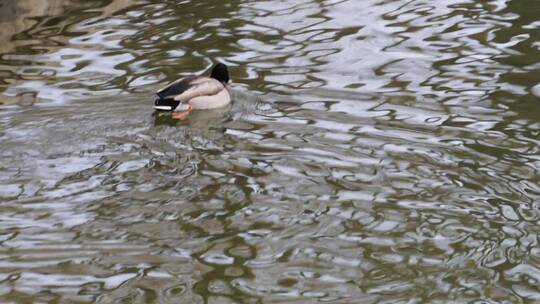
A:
(220, 73)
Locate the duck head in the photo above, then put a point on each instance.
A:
(220, 73)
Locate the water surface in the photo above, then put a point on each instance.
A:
(375, 152)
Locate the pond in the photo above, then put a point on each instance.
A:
(375, 152)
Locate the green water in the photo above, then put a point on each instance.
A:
(375, 152)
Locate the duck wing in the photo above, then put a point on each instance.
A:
(185, 90)
(176, 88)
(166, 96)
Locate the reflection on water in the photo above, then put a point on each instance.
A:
(376, 151)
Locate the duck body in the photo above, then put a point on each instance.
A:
(195, 92)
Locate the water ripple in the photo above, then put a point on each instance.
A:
(375, 152)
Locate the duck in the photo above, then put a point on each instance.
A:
(195, 93)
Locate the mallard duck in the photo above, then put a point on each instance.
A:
(195, 93)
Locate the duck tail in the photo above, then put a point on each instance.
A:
(166, 104)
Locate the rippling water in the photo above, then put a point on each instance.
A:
(376, 152)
